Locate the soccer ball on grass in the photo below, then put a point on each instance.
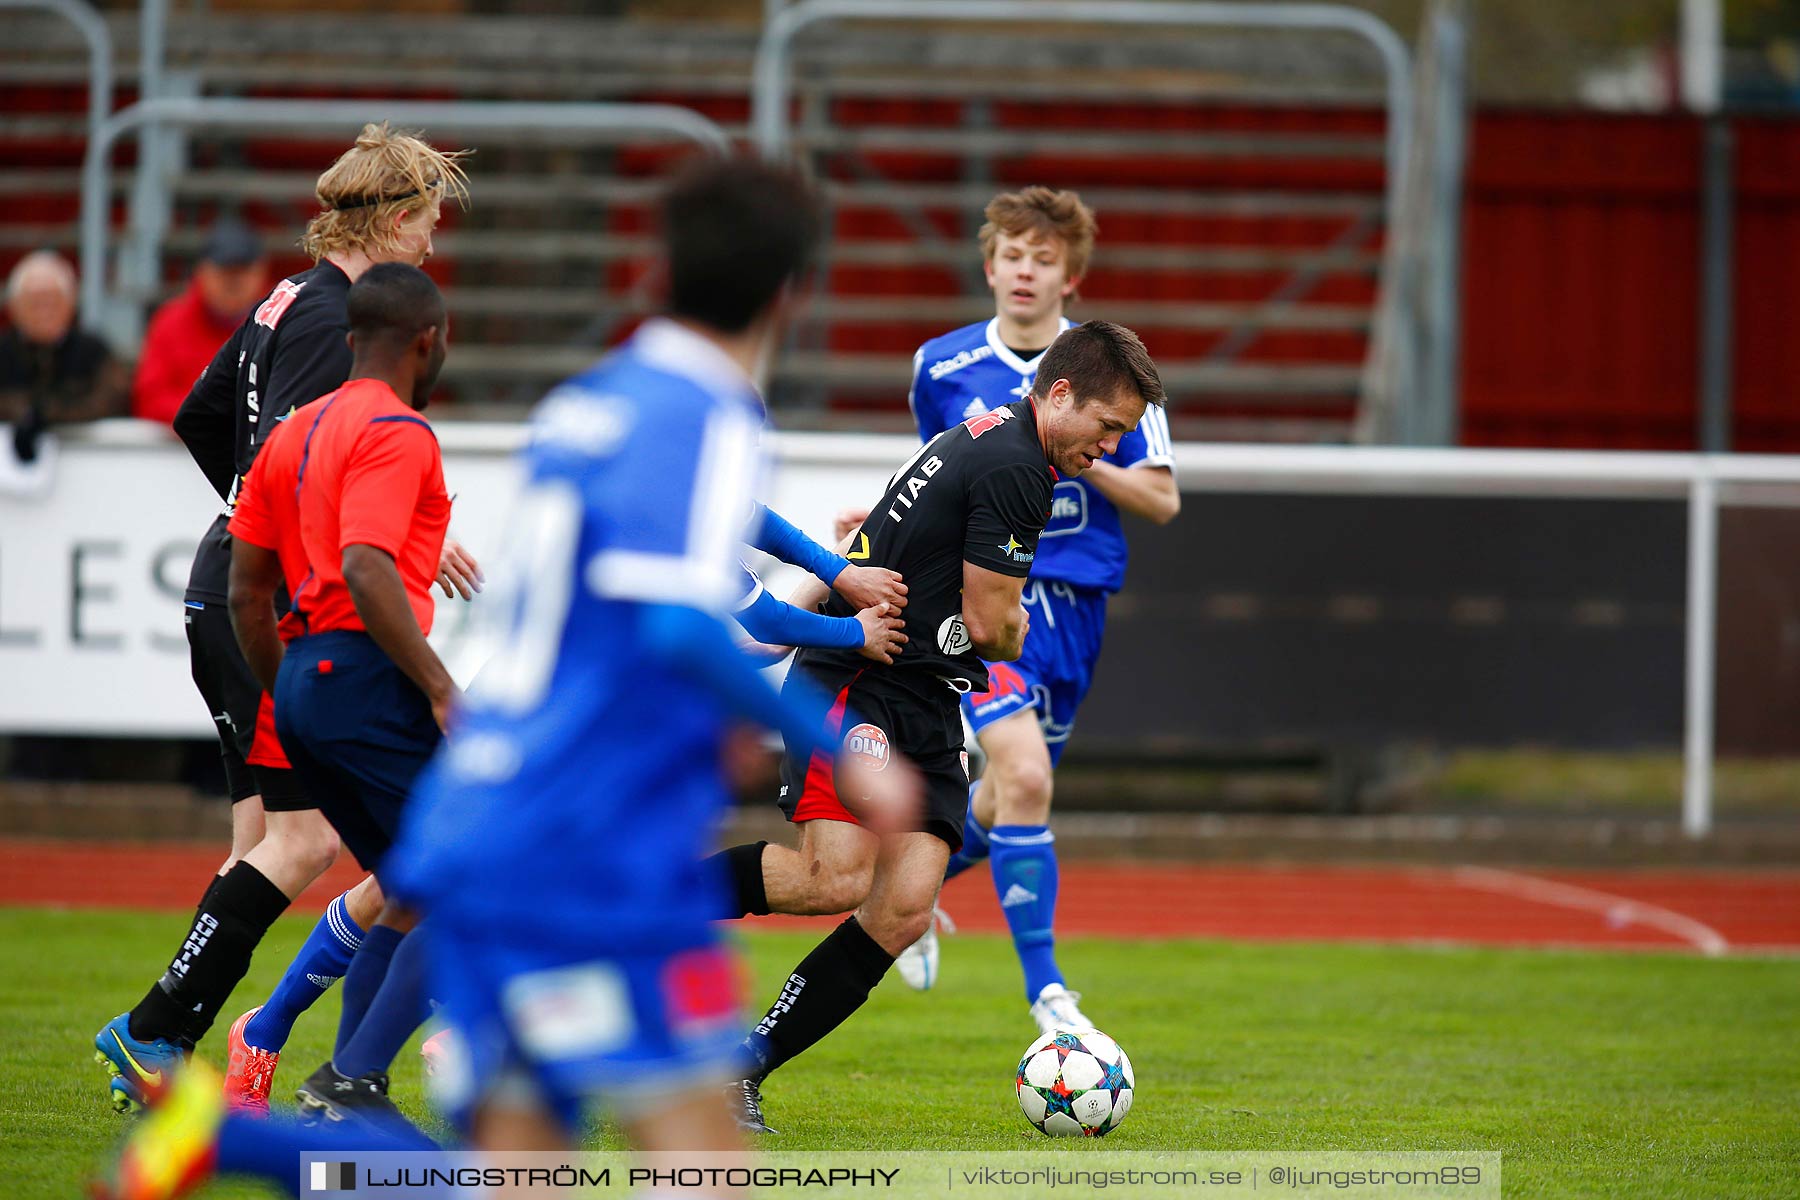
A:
(1075, 1083)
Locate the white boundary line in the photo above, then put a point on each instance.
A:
(1617, 910)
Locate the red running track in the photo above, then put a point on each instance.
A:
(1703, 911)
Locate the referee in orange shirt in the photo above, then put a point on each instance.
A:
(348, 503)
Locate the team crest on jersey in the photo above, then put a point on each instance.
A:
(868, 744)
(953, 636)
(271, 311)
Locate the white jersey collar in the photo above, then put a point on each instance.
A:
(670, 346)
(1004, 353)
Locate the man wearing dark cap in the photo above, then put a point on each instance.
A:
(185, 333)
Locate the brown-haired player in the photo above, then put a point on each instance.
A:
(961, 523)
(1035, 248)
(381, 201)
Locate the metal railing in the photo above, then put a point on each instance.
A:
(773, 71)
(98, 37)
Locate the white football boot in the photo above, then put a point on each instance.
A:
(918, 963)
(1055, 1009)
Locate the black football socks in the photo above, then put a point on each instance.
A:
(829, 984)
(743, 867)
(237, 910)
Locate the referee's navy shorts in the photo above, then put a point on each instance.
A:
(357, 731)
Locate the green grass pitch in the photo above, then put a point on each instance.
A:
(1642, 1075)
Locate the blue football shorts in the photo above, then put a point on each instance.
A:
(565, 1031)
(358, 733)
(1056, 669)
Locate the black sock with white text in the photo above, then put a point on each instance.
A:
(829, 984)
(237, 910)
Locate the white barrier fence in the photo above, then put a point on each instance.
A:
(92, 571)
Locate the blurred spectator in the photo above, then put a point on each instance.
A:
(50, 371)
(185, 333)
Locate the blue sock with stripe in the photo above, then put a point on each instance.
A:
(975, 843)
(397, 1010)
(1025, 880)
(367, 969)
(321, 962)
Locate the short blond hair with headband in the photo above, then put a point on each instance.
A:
(386, 174)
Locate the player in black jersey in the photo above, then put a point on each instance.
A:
(382, 200)
(960, 523)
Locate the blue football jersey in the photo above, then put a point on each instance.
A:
(583, 776)
(970, 371)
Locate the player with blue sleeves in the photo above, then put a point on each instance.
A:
(577, 972)
(863, 587)
(778, 626)
(1035, 246)
(878, 593)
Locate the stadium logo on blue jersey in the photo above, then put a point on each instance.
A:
(959, 360)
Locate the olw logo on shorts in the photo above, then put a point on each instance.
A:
(869, 744)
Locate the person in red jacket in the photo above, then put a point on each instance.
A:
(231, 276)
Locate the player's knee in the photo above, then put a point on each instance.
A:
(840, 886)
(308, 848)
(1024, 791)
(895, 927)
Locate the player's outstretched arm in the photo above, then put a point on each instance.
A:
(380, 599)
(775, 535)
(864, 587)
(255, 574)
(873, 631)
(1146, 491)
(699, 645)
(811, 592)
(992, 613)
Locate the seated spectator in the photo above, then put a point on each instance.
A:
(50, 371)
(185, 333)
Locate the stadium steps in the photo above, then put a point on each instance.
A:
(930, 311)
(1208, 211)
